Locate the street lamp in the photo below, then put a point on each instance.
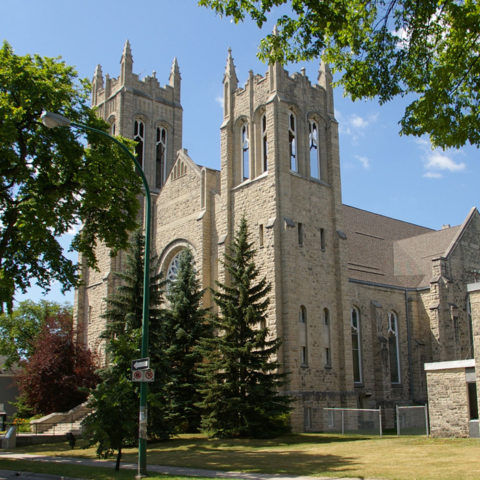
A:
(52, 120)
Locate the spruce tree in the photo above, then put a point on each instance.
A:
(114, 421)
(184, 326)
(240, 377)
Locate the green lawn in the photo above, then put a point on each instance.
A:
(402, 458)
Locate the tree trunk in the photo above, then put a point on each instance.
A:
(119, 456)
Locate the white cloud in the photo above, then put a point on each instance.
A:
(74, 229)
(432, 175)
(365, 162)
(358, 122)
(440, 161)
(355, 125)
(437, 162)
(219, 100)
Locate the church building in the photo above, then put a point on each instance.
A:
(361, 301)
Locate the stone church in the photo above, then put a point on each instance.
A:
(361, 301)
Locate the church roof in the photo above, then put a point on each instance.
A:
(387, 251)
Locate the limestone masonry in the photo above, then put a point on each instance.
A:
(360, 300)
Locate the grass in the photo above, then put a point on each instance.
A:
(79, 471)
(392, 458)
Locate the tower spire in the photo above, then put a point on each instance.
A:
(97, 83)
(230, 84)
(175, 79)
(325, 80)
(275, 69)
(126, 63)
(230, 73)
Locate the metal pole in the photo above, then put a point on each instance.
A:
(142, 420)
(426, 420)
(398, 420)
(380, 420)
(343, 423)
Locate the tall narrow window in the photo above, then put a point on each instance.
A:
(328, 348)
(260, 235)
(302, 318)
(470, 328)
(300, 234)
(245, 153)
(161, 157)
(356, 345)
(264, 144)
(292, 142)
(393, 347)
(139, 137)
(322, 239)
(314, 151)
(472, 400)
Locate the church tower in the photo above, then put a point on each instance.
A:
(151, 115)
(144, 111)
(280, 168)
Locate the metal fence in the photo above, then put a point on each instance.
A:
(412, 420)
(363, 421)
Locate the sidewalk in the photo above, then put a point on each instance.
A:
(192, 472)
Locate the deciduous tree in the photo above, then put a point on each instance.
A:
(19, 330)
(59, 374)
(383, 49)
(241, 379)
(50, 181)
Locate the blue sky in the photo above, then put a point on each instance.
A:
(382, 172)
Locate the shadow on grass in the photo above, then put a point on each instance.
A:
(287, 455)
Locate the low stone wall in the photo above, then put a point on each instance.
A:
(448, 398)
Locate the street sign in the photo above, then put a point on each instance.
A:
(147, 375)
(141, 364)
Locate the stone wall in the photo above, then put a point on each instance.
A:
(448, 398)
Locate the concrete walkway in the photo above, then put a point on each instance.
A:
(183, 471)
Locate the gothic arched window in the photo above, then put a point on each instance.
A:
(356, 345)
(161, 157)
(314, 150)
(172, 270)
(393, 347)
(264, 144)
(292, 142)
(139, 137)
(245, 152)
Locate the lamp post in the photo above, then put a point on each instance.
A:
(52, 120)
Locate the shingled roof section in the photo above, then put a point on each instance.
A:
(413, 256)
(370, 239)
(386, 251)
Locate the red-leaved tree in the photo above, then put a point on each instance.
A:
(61, 371)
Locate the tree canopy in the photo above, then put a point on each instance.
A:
(60, 372)
(240, 375)
(383, 49)
(184, 327)
(51, 181)
(20, 329)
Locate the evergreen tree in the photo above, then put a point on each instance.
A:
(183, 328)
(240, 378)
(114, 421)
